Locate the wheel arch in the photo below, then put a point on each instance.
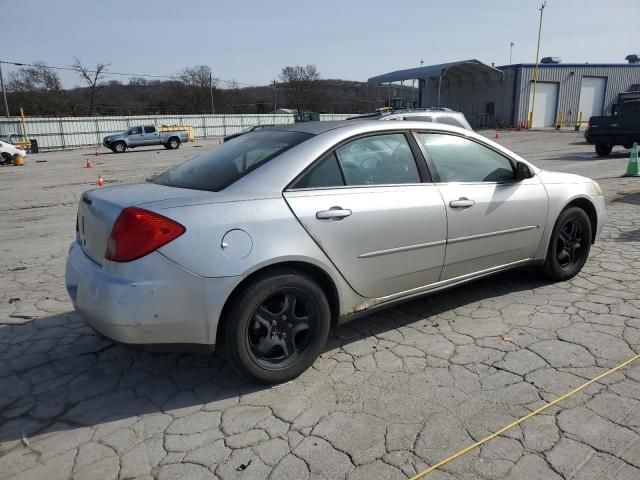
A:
(314, 271)
(590, 209)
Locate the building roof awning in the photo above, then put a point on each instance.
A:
(464, 67)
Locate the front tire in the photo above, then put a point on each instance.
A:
(277, 327)
(119, 147)
(603, 149)
(569, 245)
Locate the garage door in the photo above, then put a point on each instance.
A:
(544, 114)
(591, 96)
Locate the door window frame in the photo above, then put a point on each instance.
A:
(424, 172)
(434, 171)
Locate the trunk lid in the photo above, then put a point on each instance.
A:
(99, 209)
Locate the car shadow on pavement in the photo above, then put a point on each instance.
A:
(631, 198)
(589, 156)
(57, 374)
(423, 312)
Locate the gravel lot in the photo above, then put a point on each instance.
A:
(393, 393)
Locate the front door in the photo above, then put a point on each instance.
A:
(367, 208)
(135, 136)
(492, 219)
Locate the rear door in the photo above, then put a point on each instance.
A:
(375, 214)
(151, 136)
(493, 220)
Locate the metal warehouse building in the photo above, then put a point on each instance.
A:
(502, 96)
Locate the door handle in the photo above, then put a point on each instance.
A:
(462, 202)
(334, 213)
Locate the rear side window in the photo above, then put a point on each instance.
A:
(323, 175)
(224, 165)
(449, 121)
(419, 118)
(378, 160)
(149, 129)
(375, 160)
(631, 107)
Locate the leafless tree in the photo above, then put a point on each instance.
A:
(302, 85)
(194, 86)
(39, 90)
(93, 78)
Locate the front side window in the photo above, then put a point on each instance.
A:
(378, 160)
(458, 159)
(222, 166)
(135, 131)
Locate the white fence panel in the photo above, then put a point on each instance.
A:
(336, 116)
(74, 132)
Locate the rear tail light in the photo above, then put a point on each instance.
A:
(138, 232)
(20, 148)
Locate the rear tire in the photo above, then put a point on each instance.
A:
(276, 327)
(569, 245)
(173, 143)
(603, 149)
(119, 147)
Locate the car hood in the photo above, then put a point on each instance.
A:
(114, 135)
(559, 177)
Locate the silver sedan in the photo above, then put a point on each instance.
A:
(263, 244)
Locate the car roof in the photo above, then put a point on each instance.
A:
(315, 128)
(363, 126)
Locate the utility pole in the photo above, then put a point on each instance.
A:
(4, 93)
(535, 70)
(213, 110)
(510, 51)
(275, 96)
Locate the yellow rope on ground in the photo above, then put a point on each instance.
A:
(520, 420)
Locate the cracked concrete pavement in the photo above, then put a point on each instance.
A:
(392, 393)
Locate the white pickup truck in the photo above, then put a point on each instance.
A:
(146, 135)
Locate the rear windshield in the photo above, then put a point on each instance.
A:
(222, 166)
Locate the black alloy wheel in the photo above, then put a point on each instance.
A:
(282, 328)
(275, 326)
(569, 245)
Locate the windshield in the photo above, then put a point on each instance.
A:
(222, 166)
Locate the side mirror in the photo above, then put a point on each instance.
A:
(523, 172)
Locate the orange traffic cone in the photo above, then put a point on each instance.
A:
(88, 164)
(100, 182)
(497, 134)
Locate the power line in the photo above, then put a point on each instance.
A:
(145, 75)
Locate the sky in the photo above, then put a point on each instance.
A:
(251, 40)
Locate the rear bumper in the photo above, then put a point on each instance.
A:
(155, 301)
